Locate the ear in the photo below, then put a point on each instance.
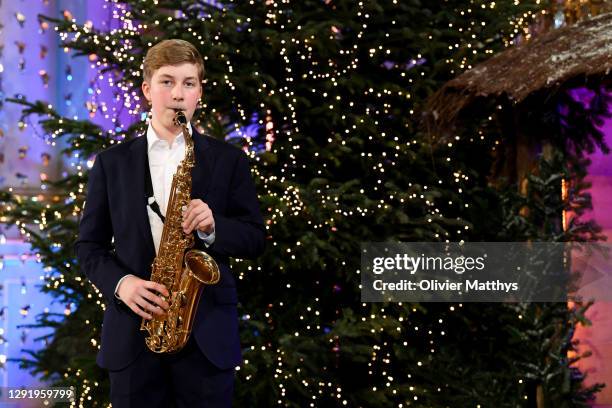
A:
(146, 90)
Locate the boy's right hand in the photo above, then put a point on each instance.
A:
(142, 296)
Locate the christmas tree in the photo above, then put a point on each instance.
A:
(326, 99)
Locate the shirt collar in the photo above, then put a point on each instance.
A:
(152, 137)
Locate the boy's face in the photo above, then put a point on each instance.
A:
(172, 87)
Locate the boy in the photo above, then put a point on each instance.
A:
(120, 232)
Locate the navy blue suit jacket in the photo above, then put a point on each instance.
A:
(115, 239)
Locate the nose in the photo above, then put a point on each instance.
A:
(177, 93)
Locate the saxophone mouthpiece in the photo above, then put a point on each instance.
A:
(179, 118)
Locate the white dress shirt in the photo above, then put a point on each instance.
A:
(164, 159)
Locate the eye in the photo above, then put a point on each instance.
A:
(190, 83)
(166, 81)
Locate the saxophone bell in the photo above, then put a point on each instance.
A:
(202, 267)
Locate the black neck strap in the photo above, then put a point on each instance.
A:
(149, 195)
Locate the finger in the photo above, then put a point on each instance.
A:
(149, 307)
(207, 227)
(188, 225)
(186, 219)
(136, 309)
(192, 204)
(193, 223)
(186, 210)
(196, 202)
(153, 298)
(158, 287)
(189, 215)
(202, 222)
(195, 218)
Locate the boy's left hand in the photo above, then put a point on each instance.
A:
(198, 216)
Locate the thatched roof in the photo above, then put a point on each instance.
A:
(548, 61)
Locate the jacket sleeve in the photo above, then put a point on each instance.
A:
(94, 249)
(240, 233)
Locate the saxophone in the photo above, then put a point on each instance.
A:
(177, 266)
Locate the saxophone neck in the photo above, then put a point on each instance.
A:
(181, 120)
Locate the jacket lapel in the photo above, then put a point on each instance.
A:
(204, 164)
(137, 192)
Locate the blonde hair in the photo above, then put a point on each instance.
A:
(172, 52)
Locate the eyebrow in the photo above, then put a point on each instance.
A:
(170, 76)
